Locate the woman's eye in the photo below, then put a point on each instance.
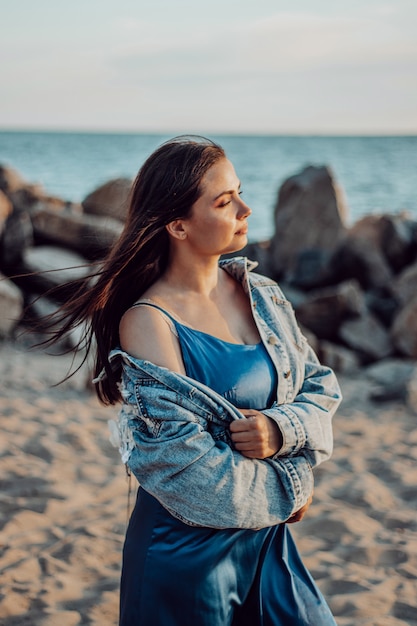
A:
(228, 200)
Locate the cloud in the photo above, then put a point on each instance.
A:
(284, 43)
(326, 71)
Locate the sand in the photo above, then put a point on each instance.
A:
(64, 497)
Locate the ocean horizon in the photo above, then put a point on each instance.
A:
(377, 173)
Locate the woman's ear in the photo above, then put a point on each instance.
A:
(176, 229)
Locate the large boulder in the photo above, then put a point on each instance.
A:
(405, 284)
(376, 247)
(383, 303)
(398, 240)
(23, 195)
(310, 214)
(257, 251)
(390, 379)
(110, 199)
(51, 270)
(339, 358)
(11, 306)
(360, 257)
(10, 179)
(324, 310)
(367, 337)
(311, 269)
(404, 329)
(392, 371)
(6, 208)
(90, 235)
(25, 198)
(17, 236)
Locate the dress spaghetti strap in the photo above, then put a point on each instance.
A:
(170, 320)
(229, 369)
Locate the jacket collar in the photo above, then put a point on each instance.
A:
(239, 267)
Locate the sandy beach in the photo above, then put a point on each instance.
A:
(64, 501)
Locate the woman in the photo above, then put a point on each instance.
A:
(226, 409)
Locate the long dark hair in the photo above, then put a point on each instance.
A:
(166, 187)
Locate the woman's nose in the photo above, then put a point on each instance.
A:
(244, 210)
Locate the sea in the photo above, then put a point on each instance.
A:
(376, 174)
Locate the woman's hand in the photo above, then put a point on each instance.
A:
(256, 437)
(298, 515)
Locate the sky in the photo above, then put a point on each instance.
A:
(219, 66)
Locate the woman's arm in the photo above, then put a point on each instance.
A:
(306, 423)
(302, 422)
(202, 481)
(257, 436)
(146, 333)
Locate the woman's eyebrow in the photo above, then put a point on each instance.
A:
(223, 193)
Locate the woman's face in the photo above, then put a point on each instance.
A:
(218, 220)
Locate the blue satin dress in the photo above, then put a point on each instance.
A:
(179, 575)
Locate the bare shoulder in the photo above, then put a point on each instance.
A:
(147, 334)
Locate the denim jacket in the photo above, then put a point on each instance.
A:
(173, 431)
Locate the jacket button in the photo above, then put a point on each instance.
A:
(273, 340)
(287, 374)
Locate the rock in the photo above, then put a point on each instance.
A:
(312, 340)
(405, 285)
(397, 240)
(323, 265)
(62, 265)
(324, 310)
(311, 269)
(11, 306)
(411, 391)
(37, 311)
(367, 336)
(376, 247)
(382, 302)
(51, 268)
(90, 235)
(110, 199)
(390, 378)
(6, 208)
(391, 393)
(404, 329)
(390, 371)
(16, 238)
(294, 295)
(359, 256)
(309, 215)
(10, 179)
(258, 251)
(25, 198)
(339, 358)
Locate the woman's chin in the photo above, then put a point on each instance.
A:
(237, 247)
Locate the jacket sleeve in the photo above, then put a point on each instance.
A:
(203, 481)
(306, 422)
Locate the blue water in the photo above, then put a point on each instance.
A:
(378, 174)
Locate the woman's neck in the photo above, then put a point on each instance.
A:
(200, 277)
